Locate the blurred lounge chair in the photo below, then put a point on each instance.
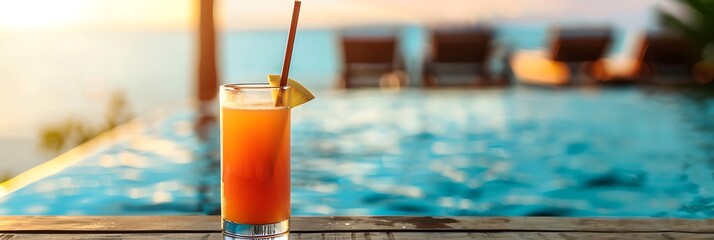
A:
(460, 57)
(572, 52)
(660, 59)
(371, 62)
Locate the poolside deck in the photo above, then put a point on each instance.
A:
(208, 227)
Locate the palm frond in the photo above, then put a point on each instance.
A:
(703, 7)
(675, 25)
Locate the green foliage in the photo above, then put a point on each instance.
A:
(697, 24)
(73, 132)
(118, 111)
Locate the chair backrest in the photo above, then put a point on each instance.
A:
(580, 44)
(368, 56)
(667, 50)
(461, 46)
(369, 50)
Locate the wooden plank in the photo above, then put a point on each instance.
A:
(111, 224)
(602, 236)
(331, 224)
(362, 224)
(205, 236)
(343, 236)
(495, 236)
(379, 236)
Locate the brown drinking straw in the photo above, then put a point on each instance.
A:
(288, 53)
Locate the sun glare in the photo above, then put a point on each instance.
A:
(58, 15)
(22, 15)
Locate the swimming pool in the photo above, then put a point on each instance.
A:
(620, 152)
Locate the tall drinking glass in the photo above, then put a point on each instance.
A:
(255, 160)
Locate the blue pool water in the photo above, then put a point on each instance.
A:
(137, 63)
(622, 152)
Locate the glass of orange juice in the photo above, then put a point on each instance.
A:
(255, 160)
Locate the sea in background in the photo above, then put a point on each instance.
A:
(47, 78)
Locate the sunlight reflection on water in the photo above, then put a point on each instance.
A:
(516, 152)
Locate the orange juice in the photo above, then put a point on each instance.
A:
(255, 148)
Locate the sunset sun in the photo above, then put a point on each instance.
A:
(51, 15)
(39, 14)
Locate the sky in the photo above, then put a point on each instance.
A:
(172, 15)
(52, 15)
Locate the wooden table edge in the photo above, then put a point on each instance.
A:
(203, 224)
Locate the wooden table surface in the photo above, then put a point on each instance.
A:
(369, 228)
